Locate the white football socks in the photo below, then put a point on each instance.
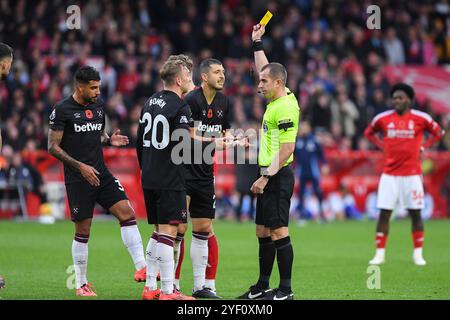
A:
(199, 257)
(164, 256)
(152, 264)
(80, 259)
(132, 240)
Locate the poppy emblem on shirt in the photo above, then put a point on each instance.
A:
(89, 114)
(210, 113)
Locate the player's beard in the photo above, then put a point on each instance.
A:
(3, 76)
(90, 100)
(218, 87)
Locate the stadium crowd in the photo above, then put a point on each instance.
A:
(334, 62)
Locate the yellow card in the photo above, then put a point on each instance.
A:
(265, 20)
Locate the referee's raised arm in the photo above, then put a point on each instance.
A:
(260, 56)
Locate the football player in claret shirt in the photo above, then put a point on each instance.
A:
(162, 179)
(211, 111)
(401, 183)
(75, 137)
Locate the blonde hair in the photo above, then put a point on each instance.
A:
(170, 69)
(185, 59)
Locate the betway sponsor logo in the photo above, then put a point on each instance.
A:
(87, 127)
(209, 128)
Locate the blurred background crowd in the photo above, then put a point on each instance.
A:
(334, 62)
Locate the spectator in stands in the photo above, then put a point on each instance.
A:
(309, 159)
(393, 47)
(20, 176)
(325, 45)
(319, 111)
(345, 114)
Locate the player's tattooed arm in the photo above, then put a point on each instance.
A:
(54, 141)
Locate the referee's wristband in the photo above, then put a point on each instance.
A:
(257, 46)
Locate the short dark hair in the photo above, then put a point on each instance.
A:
(86, 74)
(407, 89)
(170, 69)
(276, 71)
(5, 51)
(207, 63)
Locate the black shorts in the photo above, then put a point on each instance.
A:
(272, 207)
(82, 196)
(165, 206)
(203, 198)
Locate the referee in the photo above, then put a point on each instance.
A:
(275, 185)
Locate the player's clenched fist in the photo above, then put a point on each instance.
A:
(90, 174)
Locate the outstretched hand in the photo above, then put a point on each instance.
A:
(117, 140)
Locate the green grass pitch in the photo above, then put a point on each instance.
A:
(330, 261)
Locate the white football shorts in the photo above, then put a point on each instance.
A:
(405, 191)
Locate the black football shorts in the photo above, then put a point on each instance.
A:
(203, 199)
(272, 206)
(82, 196)
(165, 206)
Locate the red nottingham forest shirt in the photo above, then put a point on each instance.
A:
(402, 139)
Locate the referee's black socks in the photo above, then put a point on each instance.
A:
(266, 259)
(285, 258)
